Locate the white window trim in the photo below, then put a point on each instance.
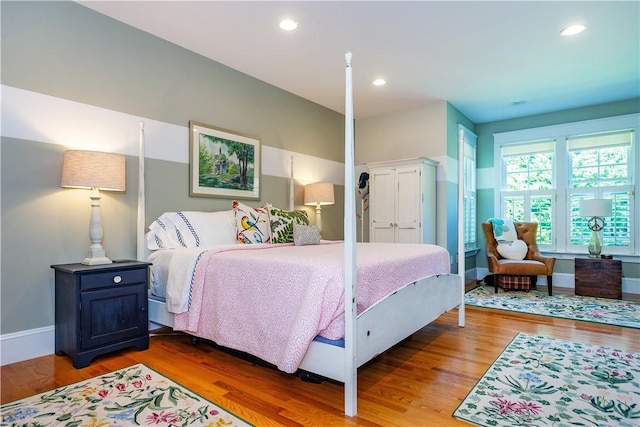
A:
(468, 136)
(559, 133)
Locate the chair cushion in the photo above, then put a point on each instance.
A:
(520, 267)
(514, 250)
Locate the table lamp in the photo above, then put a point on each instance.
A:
(595, 210)
(319, 194)
(95, 171)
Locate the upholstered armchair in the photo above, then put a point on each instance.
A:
(533, 264)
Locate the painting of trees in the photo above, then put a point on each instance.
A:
(245, 155)
(225, 165)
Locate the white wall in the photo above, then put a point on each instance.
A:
(419, 132)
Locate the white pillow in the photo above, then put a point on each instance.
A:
(162, 234)
(191, 229)
(211, 228)
(516, 250)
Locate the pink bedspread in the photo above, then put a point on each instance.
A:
(272, 301)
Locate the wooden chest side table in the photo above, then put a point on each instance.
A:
(598, 277)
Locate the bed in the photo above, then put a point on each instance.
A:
(273, 300)
(341, 323)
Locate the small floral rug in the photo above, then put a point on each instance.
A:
(132, 396)
(540, 381)
(575, 307)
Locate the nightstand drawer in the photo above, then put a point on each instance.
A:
(112, 278)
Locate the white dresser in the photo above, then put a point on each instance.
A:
(402, 201)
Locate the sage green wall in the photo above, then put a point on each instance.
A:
(68, 51)
(485, 161)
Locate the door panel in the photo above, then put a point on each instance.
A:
(381, 214)
(408, 203)
(113, 314)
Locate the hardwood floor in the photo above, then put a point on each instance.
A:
(419, 382)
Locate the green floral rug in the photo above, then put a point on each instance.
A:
(132, 396)
(540, 381)
(599, 310)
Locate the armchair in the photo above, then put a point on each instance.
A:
(533, 264)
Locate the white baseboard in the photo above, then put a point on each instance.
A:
(565, 280)
(25, 345)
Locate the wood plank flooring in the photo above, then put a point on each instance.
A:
(419, 382)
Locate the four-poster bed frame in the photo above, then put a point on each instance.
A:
(379, 327)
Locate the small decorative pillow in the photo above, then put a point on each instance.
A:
(252, 224)
(503, 229)
(516, 250)
(304, 235)
(281, 223)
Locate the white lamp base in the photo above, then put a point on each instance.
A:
(96, 251)
(96, 261)
(319, 218)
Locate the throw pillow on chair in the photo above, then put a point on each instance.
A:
(516, 250)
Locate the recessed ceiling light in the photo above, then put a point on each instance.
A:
(379, 82)
(288, 25)
(572, 30)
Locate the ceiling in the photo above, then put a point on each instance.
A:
(491, 60)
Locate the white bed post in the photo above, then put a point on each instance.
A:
(351, 366)
(140, 246)
(291, 188)
(461, 258)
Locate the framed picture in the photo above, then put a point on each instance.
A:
(223, 163)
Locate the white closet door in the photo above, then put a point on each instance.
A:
(381, 206)
(402, 201)
(408, 206)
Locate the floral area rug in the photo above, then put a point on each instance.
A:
(599, 310)
(540, 381)
(132, 396)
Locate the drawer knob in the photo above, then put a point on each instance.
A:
(117, 279)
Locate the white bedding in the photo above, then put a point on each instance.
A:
(171, 274)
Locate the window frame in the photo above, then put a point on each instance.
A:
(561, 216)
(470, 186)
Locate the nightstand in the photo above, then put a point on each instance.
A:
(100, 308)
(598, 277)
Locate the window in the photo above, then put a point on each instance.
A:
(528, 189)
(469, 164)
(600, 169)
(545, 172)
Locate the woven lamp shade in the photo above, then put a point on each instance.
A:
(94, 169)
(319, 193)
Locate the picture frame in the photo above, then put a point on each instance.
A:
(223, 163)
